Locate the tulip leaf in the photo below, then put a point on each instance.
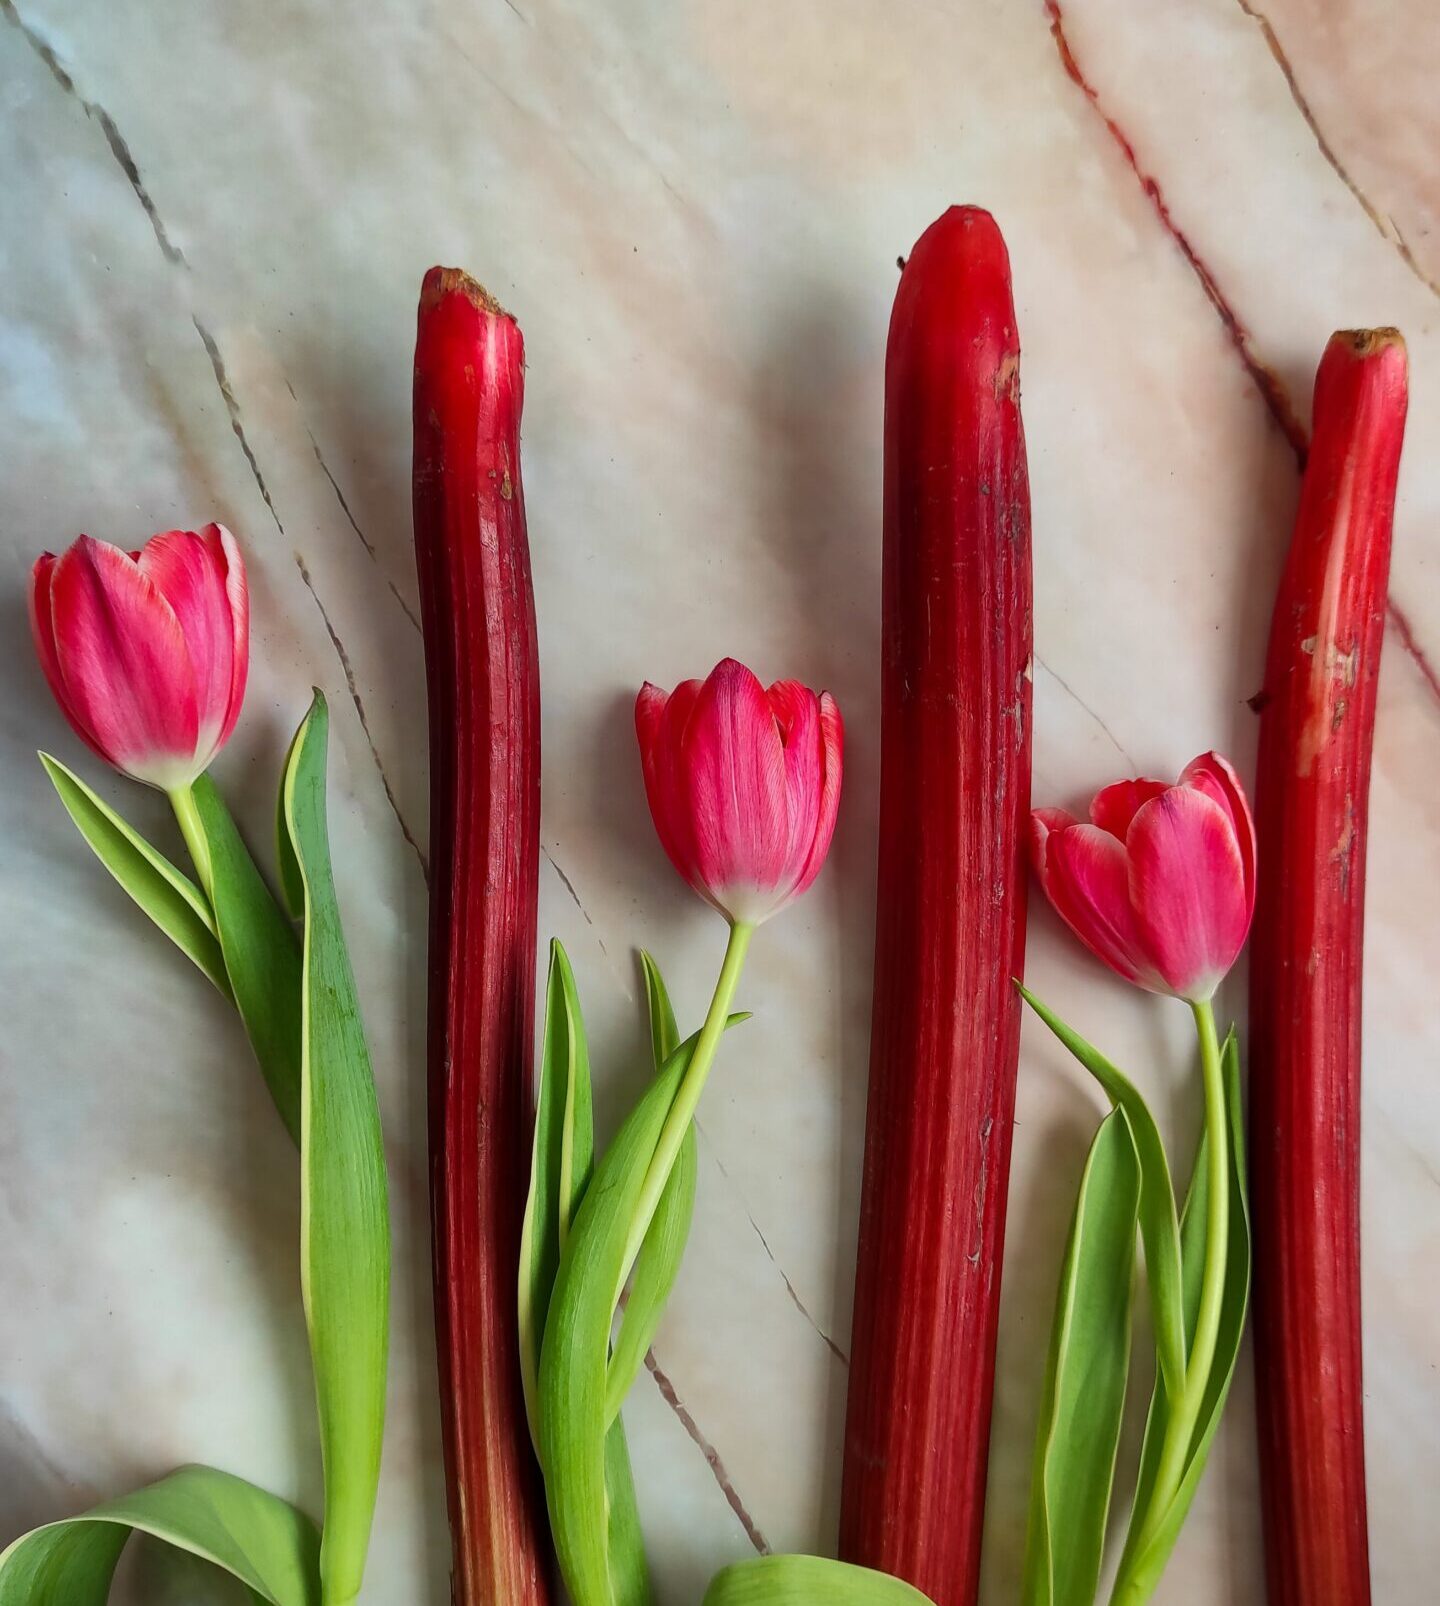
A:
(170, 898)
(575, 1352)
(1088, 1368)
(807, 1581)
(629, 1571)
(561, 1163)
(1141, 1571)
(664, 1030)
(344, 1220)
(272, 1548)
(658, 1263)
(561, 1167)
(262, 953)
(1159, 1223)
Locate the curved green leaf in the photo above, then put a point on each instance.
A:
(344, 1219)
(807, 1581)
(574, 1355)
(166, 894)
(1084, 1397)
(1139, 1574)
(658, 1263)
(1159, 1222)
(664, 1031)
(267, 1544)
(656, 1268)
(262, 953)
(629, 1571)
(561, 1162)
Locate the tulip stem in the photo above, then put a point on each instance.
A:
(1176, 1449)
(682, 1111)
(182, 801)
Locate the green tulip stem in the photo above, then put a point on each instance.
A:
(1175, 1450)
(187, 815)
(682, 1111)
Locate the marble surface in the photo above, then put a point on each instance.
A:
(214, 223)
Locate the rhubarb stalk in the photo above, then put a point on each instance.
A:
(1316, 730)
(950, 925)
(481, 662)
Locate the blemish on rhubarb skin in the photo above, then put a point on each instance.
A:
(1343, 852)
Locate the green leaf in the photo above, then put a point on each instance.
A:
(1159, 1224)
(807, 1581)
(656, 1268)
(658, 1263)
(166, 894)
(1139, 1574)
(272, 1548)
(1084, 1396)
(262, 953)
(561, 1163)
(574, 1355)
(664, 1032)
(292, 879)
(629, 1572)
(344, 1220)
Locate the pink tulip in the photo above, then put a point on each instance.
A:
(743, 785)
(146, 652)
(1161, 883)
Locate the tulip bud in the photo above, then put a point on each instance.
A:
(743, 785)
(146, 652)
(1161, 883)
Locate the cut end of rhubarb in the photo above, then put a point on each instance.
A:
(1366, 342)
(441, 282)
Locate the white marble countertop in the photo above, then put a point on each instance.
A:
(214, 223)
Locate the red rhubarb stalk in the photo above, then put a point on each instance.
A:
(481, 663)
(950, 926)
(1312, 803)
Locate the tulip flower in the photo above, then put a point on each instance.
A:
(146, 652)
(743, 785)
(1160, 884)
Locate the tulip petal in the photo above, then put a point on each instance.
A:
(127, 675)
(237, 588)
(1216, 777)
(797, 714)
(813, 736)
(660, 721)
(832, 742)
(732, 764)
(1113, 808)
(1043, 823)
(1187, 886)
(1085, 874)
(190, 574)
(42, 630)
(650, 708)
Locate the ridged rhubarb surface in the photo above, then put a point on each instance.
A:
(480, 653)
(1317, 716)
(950, 923)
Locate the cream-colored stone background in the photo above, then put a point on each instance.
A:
(213, 223)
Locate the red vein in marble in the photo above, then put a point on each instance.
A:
(1387, 227)
(1266, 381)
(1405, 631)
